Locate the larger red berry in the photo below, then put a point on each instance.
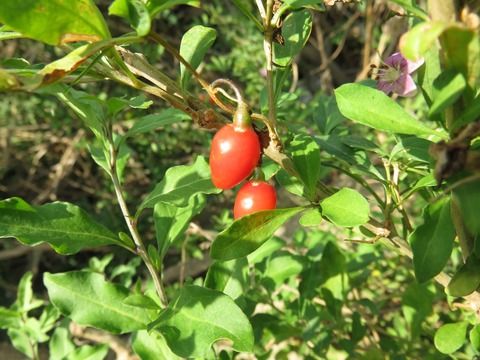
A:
(234, 155)
(254, 196)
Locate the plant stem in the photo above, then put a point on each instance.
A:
(161, 41)
(132, 227)
(269, 30)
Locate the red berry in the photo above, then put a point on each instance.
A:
(234, 155)
(254, 196)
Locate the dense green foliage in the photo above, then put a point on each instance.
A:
(367, 116)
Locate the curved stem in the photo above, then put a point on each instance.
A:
(132, 227)
(238, 94)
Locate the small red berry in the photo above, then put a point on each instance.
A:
(235, 151)
(234, 155)
(254, 196)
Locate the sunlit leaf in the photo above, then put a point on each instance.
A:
(180, 183)
(346, 207)
(197, 317)
(296, 30)
(195, 44)
(55, 21)
(450, 337)
(248, 233)
(65, 227)
(89, 300)
(375, 109)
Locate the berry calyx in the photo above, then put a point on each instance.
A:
(253, 196)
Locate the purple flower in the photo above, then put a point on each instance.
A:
(394, 75)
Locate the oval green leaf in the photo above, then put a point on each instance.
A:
(346, 207)
(373, 108)
(450, 337)
(180, 184)
(55, 21)
(296, 30)
(65, 227)
(195, 44)
(197, 317)
(248, 233)
(432, 242)
(467, 278)
(86, 298)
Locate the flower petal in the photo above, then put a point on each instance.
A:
(394, 60)
(404, 86)
(414, 65)
(385, 86)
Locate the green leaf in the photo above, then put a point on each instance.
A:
(151, 346)
(91, 110)
(55, 21)
(116, 104)
(449, 85)
(306, 158)
(171, 221)
(64, 226)
(417, 306)
(296, 29)
(412, 149)
(157, 6)
(432, 242)
(290, 183)
(266, 249)
(469, 115)
(8, 81)
(61, 344)
(25, 292)
(246, 8)
(450, 337)
(412, 8)
(87, 299)
(346, 207)
(248, 233)
(100, 157)
(468, 197)
(56, 70)
(475, 337)
(48, 318)
(298, 4)
(332, 268)
(336, 146)
(180, 183)
(151, 122)
(312, 217)
(140, 17)
(427, 73)
(421, 37)
(10, 318)
(355, 102)
(283, 265)
(195, 44)
(467, 278)
(21, 341)
(141, 301)
(197, 317)
(229, 277)
(88, 352)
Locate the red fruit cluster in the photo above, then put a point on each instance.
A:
(234, 155)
